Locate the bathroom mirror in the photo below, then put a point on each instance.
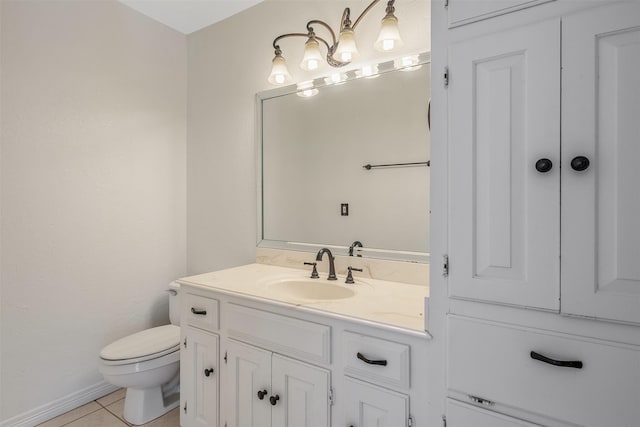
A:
(313, 188)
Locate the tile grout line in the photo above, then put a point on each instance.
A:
(85, 415)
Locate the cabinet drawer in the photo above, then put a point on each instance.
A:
(376, 360)
(201, 312)
(285, 335)
(463, 415)
(493, 361)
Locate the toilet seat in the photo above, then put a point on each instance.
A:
(145, 345)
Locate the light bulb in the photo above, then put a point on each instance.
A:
(347, 48)
(312, 57)
(389, 38)
(279, 72)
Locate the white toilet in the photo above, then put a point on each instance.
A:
(147, 363)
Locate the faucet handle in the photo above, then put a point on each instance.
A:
(314, 273)
(349, 279)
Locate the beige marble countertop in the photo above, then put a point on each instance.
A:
(394, 304)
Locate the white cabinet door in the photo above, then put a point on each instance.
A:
(247, 371)
(504, 116)
(601, 204)
(303, 392)
(367, 405)
(199, 378)
(464, 415)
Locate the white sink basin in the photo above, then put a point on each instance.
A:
(310, 289)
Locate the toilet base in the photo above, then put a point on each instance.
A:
(144, 405)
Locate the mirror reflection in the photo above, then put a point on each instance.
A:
(316, 188)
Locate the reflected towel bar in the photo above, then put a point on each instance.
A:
(392, 165)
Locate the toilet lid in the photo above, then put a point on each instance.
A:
(150, 342)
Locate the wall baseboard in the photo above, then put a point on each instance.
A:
(51, 410)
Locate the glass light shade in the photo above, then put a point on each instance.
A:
(389, 38)
(312, 57)
(279, 72)
(347, 49)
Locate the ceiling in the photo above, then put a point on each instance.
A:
(188, 16)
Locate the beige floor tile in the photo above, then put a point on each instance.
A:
(100, 418)
(170, 419)
(72, 415)
(112, 397)
(117, 409)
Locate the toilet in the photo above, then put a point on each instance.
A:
(147, 364)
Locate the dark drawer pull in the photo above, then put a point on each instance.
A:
(562, 363)
(198, 312)
(372, 362)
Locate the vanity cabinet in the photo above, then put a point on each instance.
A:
(199, 363)
(519, 171)
(281, 364)
(264, 389)
(199, 369)
(372, 366)
(370, 405)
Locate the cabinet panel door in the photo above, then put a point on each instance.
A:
(303, 392)
(199, 392)
(367, 405)
(504, 115)
(463, 415)
(601, 205)
(247, 371)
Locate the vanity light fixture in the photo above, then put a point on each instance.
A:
(341, 51)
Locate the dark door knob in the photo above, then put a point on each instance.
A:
(579, 163)
(544, 165)
(274, 399)
(208, 372)
(262, 394)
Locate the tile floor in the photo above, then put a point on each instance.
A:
(107, 412)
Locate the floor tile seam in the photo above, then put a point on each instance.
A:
(110, 403)
(83, 416)
(121, 418)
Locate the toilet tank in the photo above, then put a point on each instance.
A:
(174, 303)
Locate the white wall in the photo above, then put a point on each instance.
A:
(229, 62)
(93, 189)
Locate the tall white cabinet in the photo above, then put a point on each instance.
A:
(601, 205)
(543, 123)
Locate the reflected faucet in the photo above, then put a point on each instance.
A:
(356, 244)
(332, 266)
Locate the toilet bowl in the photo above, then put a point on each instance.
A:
(147, 364)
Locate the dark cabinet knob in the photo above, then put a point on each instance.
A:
(544, 165)
(262, 394)
(579, 163)
(274, 399)
(208, 372)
